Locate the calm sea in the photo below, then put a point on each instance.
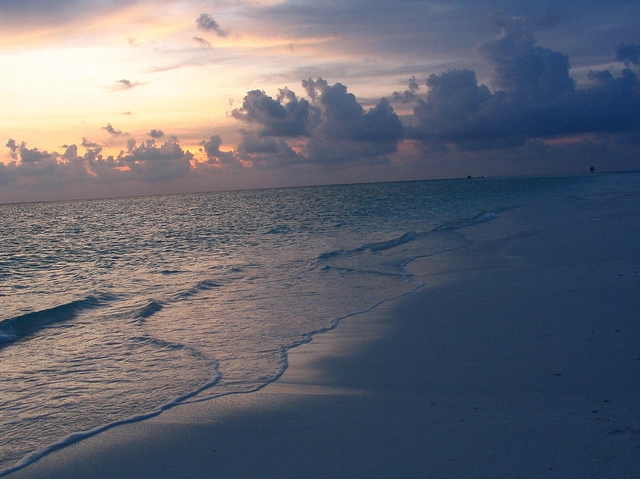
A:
(114, 310)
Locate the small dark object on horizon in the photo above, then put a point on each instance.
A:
(592, 169)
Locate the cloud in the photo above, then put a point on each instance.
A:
(146, 166)
(124, 84)
(333, 128)
(629, 54)
(409, 95)
(40, 168)
(267, 152)
(343, 118)
(71, 152)
(535, 97)
(89, 145)
(211, 148)
(207, 23)
(109, 128)
(522, 67)
(14, 148)
(147, 162)
(153, 163)
(285, 116)
(202, 42)
(513, 96)
(26, 156)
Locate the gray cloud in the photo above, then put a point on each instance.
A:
(109, 128)
(146, 162)
(28, 156)
(71, 152)
(41, 168)
(409, 95)
(153, 163)
(124, 84)
(202, 42)
(535, 97)
(267, 152)
(211, 148)
(522, 67)
(335, 126)
(207, 23)
(284, 116)
(88, 144)
(343, 118)
(156, 133)
(14, 148)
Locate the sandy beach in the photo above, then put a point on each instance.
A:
(519, 358)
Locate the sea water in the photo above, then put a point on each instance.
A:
(114, 310)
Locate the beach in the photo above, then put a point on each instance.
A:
(518, 358)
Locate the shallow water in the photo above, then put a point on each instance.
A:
(117, 309)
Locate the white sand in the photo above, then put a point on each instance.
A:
(520, 358)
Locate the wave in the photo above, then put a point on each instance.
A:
(280, 229)
(18, 327)
(375, 247)
(153, 306)
(479, 218)
(205, 285)
(389, 244)
(147, 311)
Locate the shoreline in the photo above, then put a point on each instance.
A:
(518, 358)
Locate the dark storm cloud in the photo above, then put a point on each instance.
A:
(208, 24)
(534, 97)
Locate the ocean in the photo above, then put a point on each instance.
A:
(114, 310)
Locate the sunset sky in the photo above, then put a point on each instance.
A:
(104, 98)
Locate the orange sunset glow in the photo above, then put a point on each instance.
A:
(118, 78)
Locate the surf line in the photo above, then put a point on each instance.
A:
(306, 338)
(79, 436)
(185, 398)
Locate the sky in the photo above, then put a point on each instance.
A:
(110, 98)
